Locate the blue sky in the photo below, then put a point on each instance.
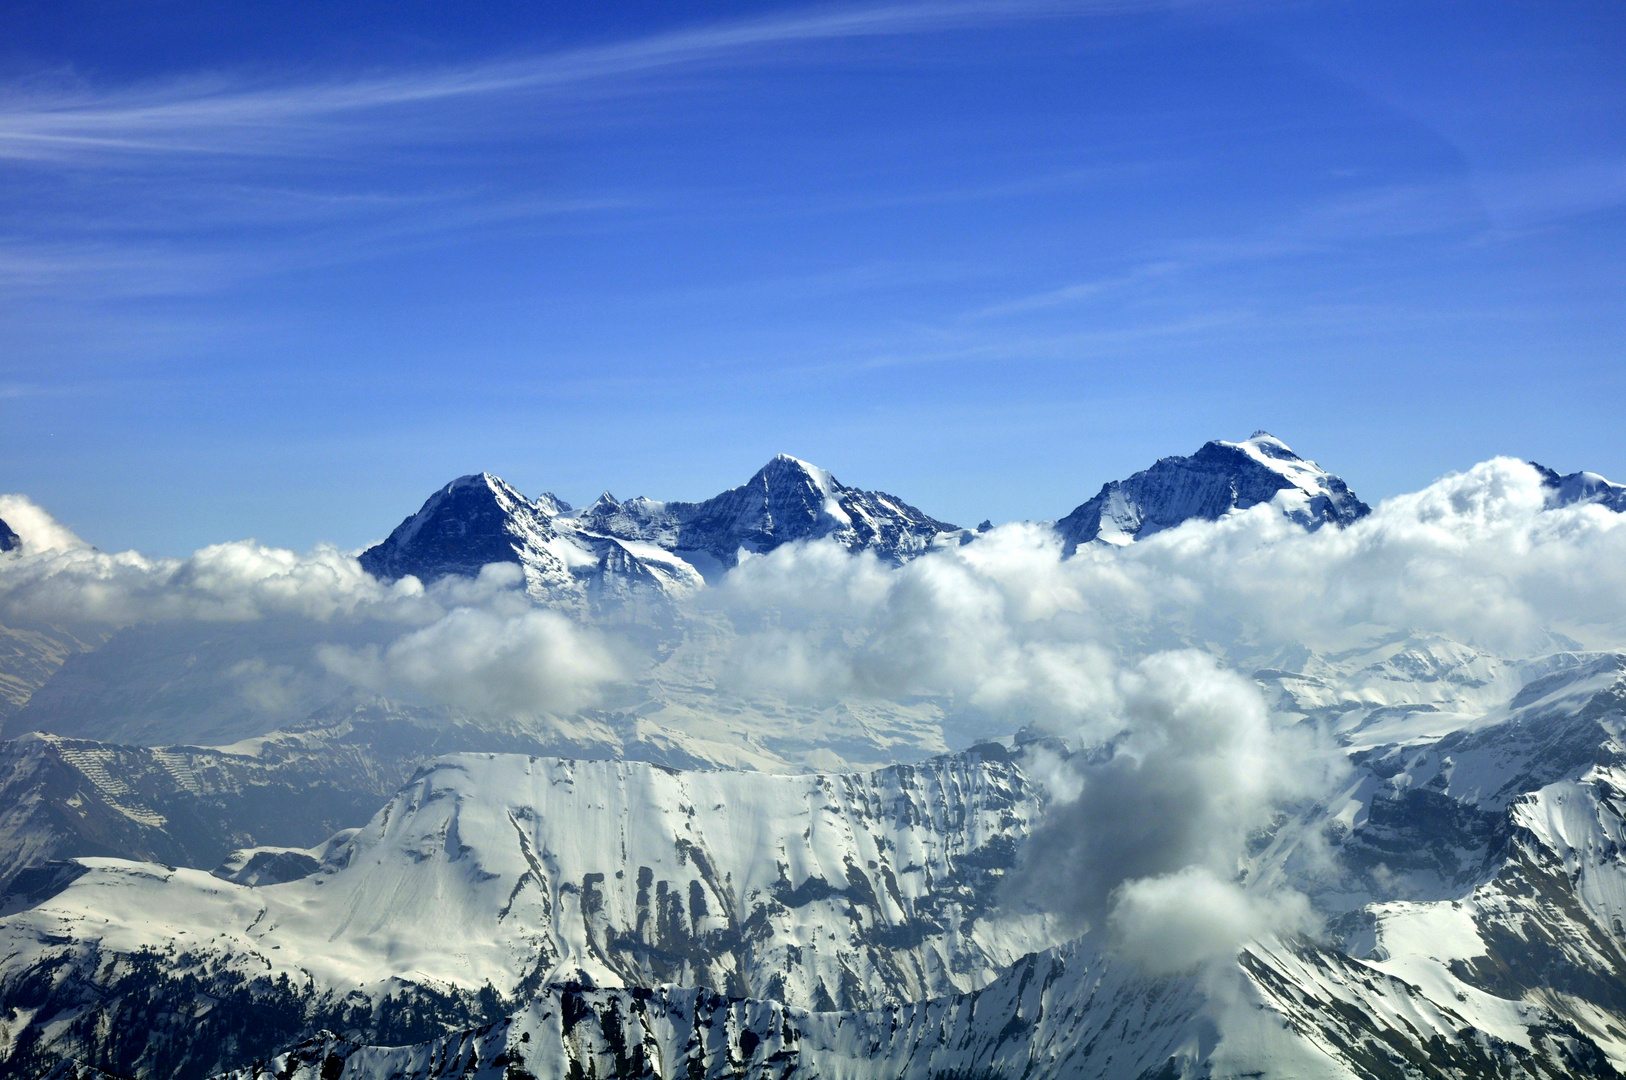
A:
(280, 270)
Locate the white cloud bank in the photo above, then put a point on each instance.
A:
(478, 660)
(1010, 625)
(474, 644)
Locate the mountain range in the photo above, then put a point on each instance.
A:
(676, 546)
(672, 547)
(689, 881)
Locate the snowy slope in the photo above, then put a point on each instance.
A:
(1582, 487)
(1429, 818)
(64, 798)
(31, 657)
(1521, 975)
(1286, 1010)
(1480, 876)
(1219, 478)
(497, 875)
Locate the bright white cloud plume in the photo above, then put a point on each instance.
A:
(1179, 763)
(280, 626)
(38, 530)
(535, 661)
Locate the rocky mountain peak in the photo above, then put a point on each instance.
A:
(785, 470)
(789, 499)
(1219, 478)
(1581, 487)
(551, 504)
(472, 521)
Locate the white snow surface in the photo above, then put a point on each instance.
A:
(505, 869)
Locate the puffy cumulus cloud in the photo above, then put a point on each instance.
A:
(280, 632)
(37, 530)
(1008, 623)
(1479, 556)
(536, 661)
(223, 583)
(1174, 922)
(997, 622)
(66, 581)
(1179, 766)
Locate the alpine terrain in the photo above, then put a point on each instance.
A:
(829, 750)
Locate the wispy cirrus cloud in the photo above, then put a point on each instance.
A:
(221, 115)
(203, 181)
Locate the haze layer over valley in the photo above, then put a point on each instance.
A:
(1221, 772)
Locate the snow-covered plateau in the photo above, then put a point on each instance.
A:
(1223, 774)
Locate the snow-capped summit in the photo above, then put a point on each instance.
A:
(551, 504)
(477, 520)
(1219, 478)
(616, 545)
(1579, 487)
(789, 499)
(472, 521)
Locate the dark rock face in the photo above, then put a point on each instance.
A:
(473, 521)
(9, 540)
(1581, 487)
(68, 798)
(789, 500)
(1217, 479)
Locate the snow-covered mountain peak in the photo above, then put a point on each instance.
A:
(1219, 478)
(784, 469)
(604, 504)
(551, 504)
(481, 482)
(1267, 449)
(472, 521)
(1581, 487)
(789, 499)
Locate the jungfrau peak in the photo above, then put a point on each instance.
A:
(1581, 487)
(1219, 478)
